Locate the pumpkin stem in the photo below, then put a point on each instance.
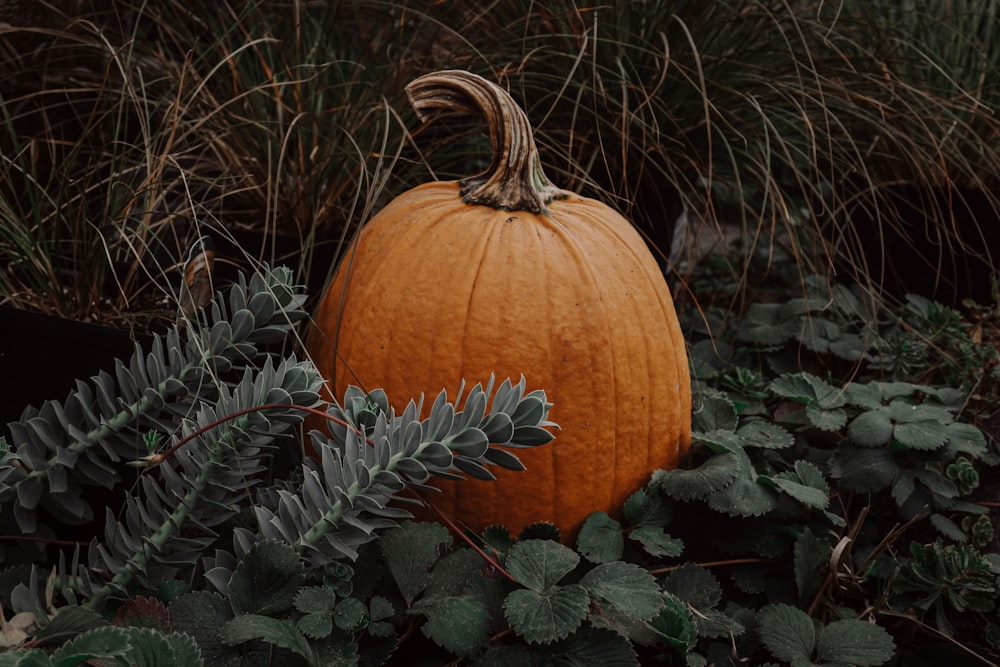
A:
(514, 181)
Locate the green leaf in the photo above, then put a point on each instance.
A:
(854, 642)
(809, 390)
(922, 435)
(70, 621)
(202, 615)
(716, 413)
(316, 625)
(787, 632)
(151, 648)
(34, 657)
(595, 648)
(826, 419)
(695, 586)
(626, 586)
(711, 476)
(870, 429)
(744, 497)
(544, 617)
(184, 649)
(460, 625)
(103, 643)
(807, 495)
(266, 579)
(410, 551)
(600, 539)
(276, 631)
(315, 599)
(351, 615)
(656, 542)
(863, 470)
(674, 624)
(540, 564)
(812, 554)
(648, 506)
(765, 435)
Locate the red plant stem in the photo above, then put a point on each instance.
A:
(156, 459)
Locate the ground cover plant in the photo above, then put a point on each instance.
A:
(838, 503)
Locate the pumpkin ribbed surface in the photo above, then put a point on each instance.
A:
(436, 291)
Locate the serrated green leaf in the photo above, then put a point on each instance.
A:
(648, 506)
(826, 419)
(810, 475)
(765, 435)
(922, 435)
(744, 497)
(350, 615)
(544, 617)
(540, 564)
(103, 643)
(656, 542)
(809, 390)
(855, 642)
(716, 413)
(35, 657)
(694, 585)
(151, 648)
(629, 588)
(787, 632)
(709, 477)
(595, 648)
(410, 551)
(202, 615)
(807, 495)
(185, 650)
(276, 631)
(966, 439)
(70, 621)
(870, 429)
(266, 579)
(460, 624)
(316, 625)
(673, 623)
(811, 555)
(600, 539)
(718, 441)
(863, 470)
(315, 599)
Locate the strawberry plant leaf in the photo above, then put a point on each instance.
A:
(854, 642)
(674, 624)
(787, 632)
(350, 615)
(656, 542)
(648, 506)
(601, 539)
(544, 617)
(870, 429)
(540, 564)
(716, 413)
(103, 643)
(276, 631)
(764, 435)
(711, 476)
(595, 648)
(459, 624)
(627, 587)
(694, 585)
(266, 580)
(410, 551)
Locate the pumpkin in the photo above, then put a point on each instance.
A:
(505, 275)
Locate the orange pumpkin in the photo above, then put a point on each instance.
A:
(503, 274)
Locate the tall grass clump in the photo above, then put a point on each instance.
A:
(795, 117)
